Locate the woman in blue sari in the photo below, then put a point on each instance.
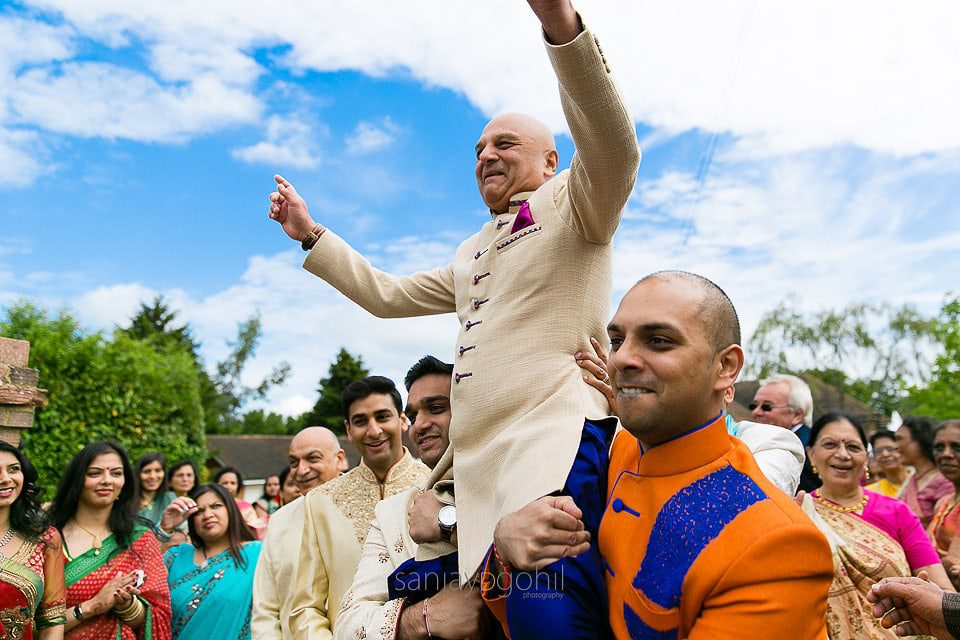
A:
(211, 580)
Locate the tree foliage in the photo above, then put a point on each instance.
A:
(327, 412)
(940, 397)
(876, 353)
(120, 387)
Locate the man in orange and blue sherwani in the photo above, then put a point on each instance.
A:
(696, 542)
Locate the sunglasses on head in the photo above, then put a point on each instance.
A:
(766, 406)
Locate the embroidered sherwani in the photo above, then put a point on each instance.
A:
(527, 298)
(336, 517)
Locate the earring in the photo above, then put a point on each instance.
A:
(868, 473)
(814, 470)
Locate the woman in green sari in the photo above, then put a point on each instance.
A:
(115, 578)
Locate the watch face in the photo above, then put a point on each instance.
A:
(448, 516)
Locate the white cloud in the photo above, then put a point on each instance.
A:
(111, 305)
(91, 99)
(290, 143)
(369, 137)
(817, 74)
(20, 153)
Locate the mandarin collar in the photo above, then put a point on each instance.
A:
(515, 203)
(695, 448)
(398, 467)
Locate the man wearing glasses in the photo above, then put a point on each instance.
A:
(785, 401)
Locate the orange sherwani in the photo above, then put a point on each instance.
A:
(698, 544)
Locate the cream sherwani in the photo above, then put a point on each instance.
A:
(526, 301)
(336, 517)
(273, 580)
(366, 610)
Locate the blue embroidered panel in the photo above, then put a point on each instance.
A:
(686, 524)
(640, 630)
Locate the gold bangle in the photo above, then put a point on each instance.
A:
(132, 612)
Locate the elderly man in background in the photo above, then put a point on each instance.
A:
(315, 456)
(785, 401)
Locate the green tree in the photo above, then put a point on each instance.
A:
(230, 392)
(118, 388)
(327, 411)
(873, 352)
(940, 397)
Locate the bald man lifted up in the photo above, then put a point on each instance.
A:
(529, 288)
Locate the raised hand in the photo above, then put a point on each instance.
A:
(290, 210)
(559, 19)
(176, 512)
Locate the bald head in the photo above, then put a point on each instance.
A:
(315, 456)
(721, 324)
(515, 153)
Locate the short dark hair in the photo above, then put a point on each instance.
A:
(881, 433)
(921, 430)
(425, 366)
(360, 389)
(149, 458)
(237, 530)
(27, 518)
(832, 417)
(123, 515)
(722, 324)
(185, 463)
(222, 471)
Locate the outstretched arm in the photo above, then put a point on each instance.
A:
(604, 168)
(382, 294)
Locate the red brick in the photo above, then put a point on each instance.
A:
(15, 352)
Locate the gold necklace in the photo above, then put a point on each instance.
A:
(96, 544)
(830, 504)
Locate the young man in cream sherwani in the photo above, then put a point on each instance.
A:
(337, 514)
(531, 287)
(368, 610)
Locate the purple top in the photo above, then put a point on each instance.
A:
(897, 520)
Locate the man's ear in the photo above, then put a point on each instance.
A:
(552, 161)
(729, 363)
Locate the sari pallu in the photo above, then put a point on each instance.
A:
(862, 556)
(212, 600)
(88, 573)
(31, 588)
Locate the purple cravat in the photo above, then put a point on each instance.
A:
(524, 218)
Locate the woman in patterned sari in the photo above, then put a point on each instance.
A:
(115, 577)
(945, 526)
(32, 602)
(211, 580)
(871, 535)
(926, 485)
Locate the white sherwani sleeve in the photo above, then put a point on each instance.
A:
(604, 167)
(366, 611)
(265, 615)
(382, 294)
(778, 452)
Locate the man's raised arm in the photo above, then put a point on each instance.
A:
(604, 168)
(382, 294)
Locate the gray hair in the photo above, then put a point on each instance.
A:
(799, 397)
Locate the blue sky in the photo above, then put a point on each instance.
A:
(138, 141)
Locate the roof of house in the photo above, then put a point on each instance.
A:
(258, 456)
